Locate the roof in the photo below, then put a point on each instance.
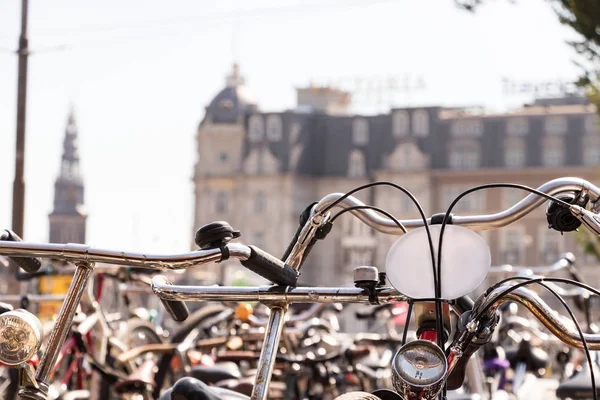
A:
(233, 101)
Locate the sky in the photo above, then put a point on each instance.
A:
(139, 74)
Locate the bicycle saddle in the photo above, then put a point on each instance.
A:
(245, 386)
(580, 385)
(534, 358)
(142, 379)
(189, 388)
(215, 373)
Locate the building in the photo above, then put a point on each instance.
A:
(258, 170)
(68, 218)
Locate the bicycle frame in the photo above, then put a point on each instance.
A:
(278, 297)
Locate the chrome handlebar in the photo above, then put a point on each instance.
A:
(540, 310)
(78, 253)
(548, 317)
(271, 294)
(475, 222)
(566, 261)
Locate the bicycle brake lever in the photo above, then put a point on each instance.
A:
(588, 218)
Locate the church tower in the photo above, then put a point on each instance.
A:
(68, 219)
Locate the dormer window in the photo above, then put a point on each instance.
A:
(274, 128)
(517, 126)
(295, 132)
(553, 151)
(515, 152)
(360, 132)
(591, 149)
(555, 125)
(466, 128)
(356, 164)
(420, 123)
(226, 104)
(591, 125)
(256, 128)
(400, 123)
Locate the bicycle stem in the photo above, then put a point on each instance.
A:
(276, 322)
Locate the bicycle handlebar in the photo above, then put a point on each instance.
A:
(475, 222)
(564, 262)
(29, 264)
(523, 296)
(540, 310)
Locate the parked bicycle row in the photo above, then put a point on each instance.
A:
(421, 335)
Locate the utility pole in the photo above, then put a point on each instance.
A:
(18, 210)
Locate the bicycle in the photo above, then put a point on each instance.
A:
(431, 294)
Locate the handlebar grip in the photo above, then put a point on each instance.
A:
(33, 275)
(176, 308)
(361, 315)
(271, 268)
(29, 264)
(372, 312)
(457, 376)
(463, 304)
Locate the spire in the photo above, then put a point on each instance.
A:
(68, 188)
(69, 169)
(235, 79)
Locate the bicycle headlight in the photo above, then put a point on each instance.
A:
(20, 336)
(419, 369)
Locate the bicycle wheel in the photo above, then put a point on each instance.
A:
(140, 332)
(183, 330)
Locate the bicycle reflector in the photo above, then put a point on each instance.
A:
(20, 336)
(418, 370)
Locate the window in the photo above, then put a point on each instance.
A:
(555, 125)
(359, 257)
(466, 128)
(407, 205)
(400, 123)
(226, 104)
(473, 202)
(464, 155)
(511, 196)
(260, 201)
(514, 152)
(549, 245)
(591, 149)
(256, 128)
(274, 128)
(511, 251)
(223, 157)
(356, 164)
(295, 132)
(553, 155)
(221, 203)
(360, 132)
(591, 125)
(420, 123)
(354, 227)
(259, 239)
(517, 126)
